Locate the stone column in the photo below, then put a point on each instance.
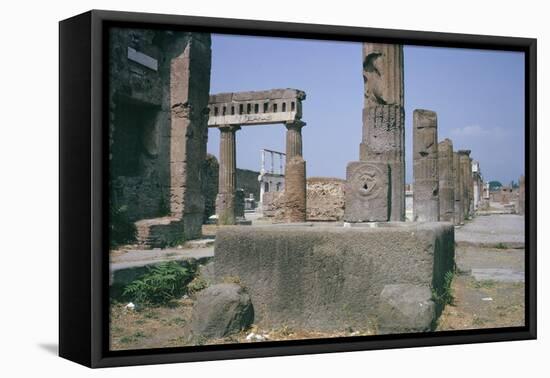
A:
(189, 86)
(425, 167)
(446, 181)
(295, 175)
(471, 188)
(225, 201)
(383, 139)
(457, 175)
(521, 195)
(294, 139)
(466, 168)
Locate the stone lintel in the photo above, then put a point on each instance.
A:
(256, 107)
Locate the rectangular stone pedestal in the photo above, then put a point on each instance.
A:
(330, 277)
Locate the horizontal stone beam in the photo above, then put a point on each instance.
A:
(255, 107)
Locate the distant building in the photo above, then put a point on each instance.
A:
(272, 176)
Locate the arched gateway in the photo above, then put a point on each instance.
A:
(228, 112)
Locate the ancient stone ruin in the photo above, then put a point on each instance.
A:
(425, 167)
(457, 172)
(466, 168)
(158, 117)
(228, 112)
(446, 181)
(375, 188)
(333, 275)
(370, 268)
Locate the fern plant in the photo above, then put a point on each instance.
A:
(160, 284)
(445, 296)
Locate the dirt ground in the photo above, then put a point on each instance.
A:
(488, 291)
(160, 327)
(484, 304)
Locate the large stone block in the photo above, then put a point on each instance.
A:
(367, 195)
(406, 308)
(221, 310)
(330, 277)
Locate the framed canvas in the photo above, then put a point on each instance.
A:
(235, 188)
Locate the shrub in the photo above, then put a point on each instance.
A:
(160, 284)
(197, 284)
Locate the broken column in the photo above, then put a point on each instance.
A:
(382, 156)
(457, 176)
(465, 167)
(471, 188)
(446, 181)
(425, 167)
(225, 201)
(295, 174)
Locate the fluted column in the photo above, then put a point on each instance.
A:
(225, 201)
(294, 139)
(295, 174)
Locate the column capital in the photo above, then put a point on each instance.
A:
(229, 128)
(296, 124)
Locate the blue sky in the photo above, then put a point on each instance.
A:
(478, 96)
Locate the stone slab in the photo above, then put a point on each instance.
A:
(367, 197)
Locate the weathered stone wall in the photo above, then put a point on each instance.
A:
(325, 199)
(139, 120)
(158, 114)
(272, 205)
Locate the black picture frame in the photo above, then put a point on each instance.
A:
(83, 152)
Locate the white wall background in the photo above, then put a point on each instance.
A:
(29, 186)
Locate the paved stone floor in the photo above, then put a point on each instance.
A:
(134, 258)
(502, 230)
